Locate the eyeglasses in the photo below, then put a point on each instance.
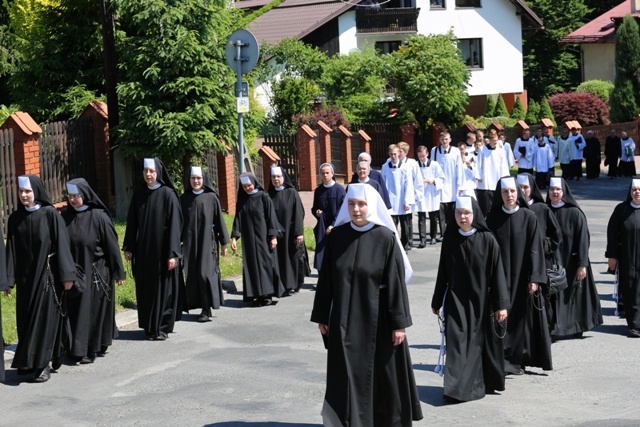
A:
(75, 196)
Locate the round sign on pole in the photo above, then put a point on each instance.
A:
(249, 51)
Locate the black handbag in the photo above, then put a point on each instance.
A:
(556, 278)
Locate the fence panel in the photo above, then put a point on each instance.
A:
(8, 179)
(336, 153)
(357, 147)
(81, 151)
(382, 135)
(285, 146)
(54, 158)
(211, 163)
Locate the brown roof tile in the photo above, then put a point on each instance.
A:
(26, 123)
(601, 29)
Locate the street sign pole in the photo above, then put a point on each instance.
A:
(242, 56)
(238, 94)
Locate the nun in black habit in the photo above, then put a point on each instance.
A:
(37, 243)
(521, 248)
(362, 307)
(257, 223)
(327, 199)
(577, 308)
(290, 213)
(94, 246)
(623, 246)
(204, 235)
(152, 244)
(472, 290)
(4, 288)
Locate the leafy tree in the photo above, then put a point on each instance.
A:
(626, 84)
(548, 66)
(355, 83)
(501, 108)
(545, 111)
(598, 7)
(600, 88)
(56, 49)
(490, 106)
(586, 108)
(431, 79)
(518, 112)
(533, 114)
(291, 96)
(175, 86)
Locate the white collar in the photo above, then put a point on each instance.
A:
(559, 205)
(255, 190)
(33, 208)
(633, 205)
(282, 187)
(467, 233)
(367, 227)
(82, 208)
(155, 187)
(364, 181)
(329, 185)
(530, 202)
(200, 191)
(512, 211)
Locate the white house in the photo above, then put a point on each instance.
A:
(490, 33)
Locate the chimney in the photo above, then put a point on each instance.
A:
(635, 6)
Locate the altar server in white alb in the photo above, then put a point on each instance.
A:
(432, 178)
(543, 160)
(416, 177)
(523, 151)
(401, 193)
(449, 159)
(492, 165)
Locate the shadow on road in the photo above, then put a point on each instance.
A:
(426, 346)
(432, 395)
(258, 424)
(621, 330)
(132, 335)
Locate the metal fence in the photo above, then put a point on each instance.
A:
(8, 179)
(66, 152)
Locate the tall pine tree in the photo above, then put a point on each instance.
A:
(624, 99)
(501, 108)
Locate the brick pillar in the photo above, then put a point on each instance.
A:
(26, 144)
(366, 141)
(436, 128)
(269, 158)
(325, 142)
(347, 162)
(227, 180)
(408, 132)
(307, 170)
(98, 113)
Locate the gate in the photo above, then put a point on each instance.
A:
(285, 146)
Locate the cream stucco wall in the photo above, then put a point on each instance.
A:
(598, 61)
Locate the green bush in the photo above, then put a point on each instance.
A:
(490, 108)
(518, 112)
(533, 113)
(501, 108)
(600, 88)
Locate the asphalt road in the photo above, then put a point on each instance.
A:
(266, 366)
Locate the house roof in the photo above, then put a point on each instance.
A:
(532, 21)
(295, 19)
(602, 29)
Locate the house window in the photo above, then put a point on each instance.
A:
(438, 4)
(468, 3)
(387, 47)
(471, 50)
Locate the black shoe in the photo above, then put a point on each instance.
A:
(88, 359)
(205, 316)
(266, 301)
(42, 375)
(160, 337)
(56, 362)
(407, 248)
(634, 333)
(518, 372)
(103, 351)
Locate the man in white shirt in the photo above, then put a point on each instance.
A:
(449, 159)
(432, 178)
(401, 193)
(416, 176)
(543, 160)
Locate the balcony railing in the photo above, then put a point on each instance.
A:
(391, 20)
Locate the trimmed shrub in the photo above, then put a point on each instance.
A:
(533, 115)
(545, 111)
(623, 102)
(490, 108)
(586, 108)
(331, 116)
(600, 88)
(501, 108)
(518, 112)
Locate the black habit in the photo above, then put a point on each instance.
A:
(369, 381)
(94, 246)
(256, 221)
(4, 286)
(203, 232)
(592, 157)
(623, 244)
(290, 214)
(376, 180)
(328, 200)
(472, 283)
(612, 153)
(577, 308)
(154, 224)
(33, 237)
(521, 248)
